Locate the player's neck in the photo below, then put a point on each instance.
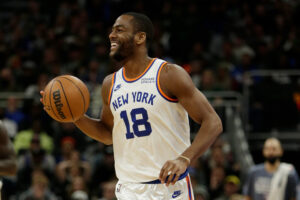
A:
(272, 168)
(136, 65)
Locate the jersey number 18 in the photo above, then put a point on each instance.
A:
(143, 121)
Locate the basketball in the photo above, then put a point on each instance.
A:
(66, 98)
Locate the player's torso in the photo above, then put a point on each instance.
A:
(148, 128)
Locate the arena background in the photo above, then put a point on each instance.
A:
(244, 55)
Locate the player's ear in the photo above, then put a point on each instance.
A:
(140, 38)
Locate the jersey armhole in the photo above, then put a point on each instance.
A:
(160, 91)
(111, 87)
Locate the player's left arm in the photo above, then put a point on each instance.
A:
(176, 83)
(8, 164)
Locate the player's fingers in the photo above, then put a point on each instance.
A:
(171, 176)
(165, 171)
(42, 94)
(176, 177)
(164, 168)
(162, 171)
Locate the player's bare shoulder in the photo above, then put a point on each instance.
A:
(106, 87)
(173, 79)
(170, 69)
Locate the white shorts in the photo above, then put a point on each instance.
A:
(181, 190)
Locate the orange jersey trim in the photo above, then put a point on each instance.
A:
(134, 79)
(189, 187)
(159, 88)
(111, 87)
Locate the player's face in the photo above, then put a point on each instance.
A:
(122, 38)
(272, 148)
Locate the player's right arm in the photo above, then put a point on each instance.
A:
(8, 163)
(100, 129)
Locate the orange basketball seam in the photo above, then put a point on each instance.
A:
(66, 98)
(79, 91)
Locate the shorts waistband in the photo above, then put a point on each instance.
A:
(157, 181)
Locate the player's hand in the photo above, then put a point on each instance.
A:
(172, 169)
(42, 94)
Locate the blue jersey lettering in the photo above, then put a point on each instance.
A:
(125, 100)
(151, 99)
(145, 95)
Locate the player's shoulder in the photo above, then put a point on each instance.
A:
(172, 68)
(172, 72)
(175, 81)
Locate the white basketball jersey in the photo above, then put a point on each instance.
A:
(149, 127)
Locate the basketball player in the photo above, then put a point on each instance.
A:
(145, 117)
(8, 163)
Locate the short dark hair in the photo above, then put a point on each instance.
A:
(142, 23)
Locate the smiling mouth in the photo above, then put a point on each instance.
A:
(113, 45)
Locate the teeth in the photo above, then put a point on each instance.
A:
(113, 44)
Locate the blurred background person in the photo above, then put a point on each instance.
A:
(272, 180)
(231, 188)
(8, 164)
(39, 188)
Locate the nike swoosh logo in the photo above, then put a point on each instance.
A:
(176, 194)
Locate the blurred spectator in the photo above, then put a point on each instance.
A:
(208, 80)
(93, 79)
(196, 66)
(7, 80)
(39, 188)
(67, 146)
(33, 90)
(35, 158)
(103, 170)
(10, 125)
(29, 73)
(201, 193)
(78, 189)
(271, 179)
(239, 71)
(23, 138)
(67, 170)
(216, 181)
(197, 173)
(63, 130)
(79, 195)
(108, 190)
(13, 111)
(221, 156)
(223, 79)
(231, 187)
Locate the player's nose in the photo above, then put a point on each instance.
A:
(112, 36)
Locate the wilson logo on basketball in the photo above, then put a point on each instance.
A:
(58, 104)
